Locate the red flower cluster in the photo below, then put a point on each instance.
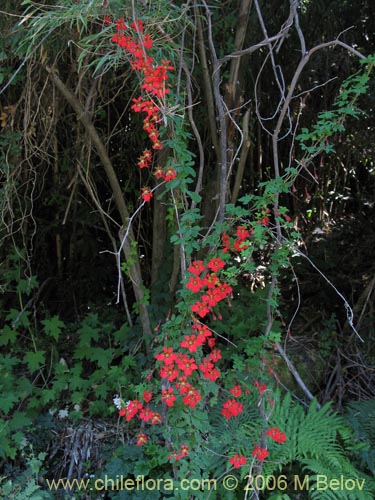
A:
(168, 397)
(147, 396)
(232, 408)
(146, 194)
(236, 391)
(261, 387)
(260, 453)
(265, 220)
(134, 407)
(276, 435)
(155, 77)
(141, 439)
(192, 396)
(192, 342)
(177, 367)
(184, 451)
(237, 460)
(208, 369)
(131, 410)
(145, 159)
(216, 291)
(242, 234)
(170, 174)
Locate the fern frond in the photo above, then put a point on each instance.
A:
(361, 417)
(318, 441)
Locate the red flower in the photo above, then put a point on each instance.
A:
(211, 342)
(192, 397)
(146, 194)
(196, 267)
(223, 290)
(137, 24)
(206, 365)
(147, 396)
(170, 174)
(195, 284)
(260, 453)
(242, 233)
(141, 439)
(200, 308)
(204, 335)
(183, 386)
(211, 374)
(231, 408)
(156, 419)
(187, 365)
(120, 25)
(132, 409)
(239, 246)
(211, 280)
(261, 387)
(208, 370)
(157, 145)
(168, 356)
(169, 372)
(184, 451)
(236, 391)
(212, 297)
(147, 42)
(203, 331)
(159, 173)
(147, 155)
(216, 264)
(143, 164)
(166, 65)
(226, 242)
(191, 342)
(168, 397)
(237, 460)
(138, 104)
(215, 355)
(276, 435)
(146, 414)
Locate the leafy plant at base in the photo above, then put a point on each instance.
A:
(48, 369)
(26, 486)
(320, 442)
(361, 417)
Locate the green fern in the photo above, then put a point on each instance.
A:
(234, 433)
(319, 442)
(31, 491)
(361, 417)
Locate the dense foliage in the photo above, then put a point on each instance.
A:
(187, 271)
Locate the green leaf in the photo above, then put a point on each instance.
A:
(274, 336)
(18, 317)
(195, 196)
(19, 420)
(7, 335)
(53, 327)
(34, 360)
(103, 357)
(47, 395)
(7, 401)
(7, 362)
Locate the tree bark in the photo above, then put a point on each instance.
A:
(130, 252)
